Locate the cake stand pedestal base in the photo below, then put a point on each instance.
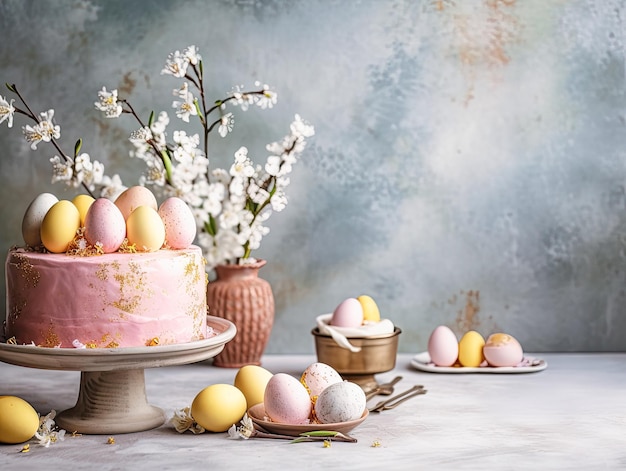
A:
(111, 402)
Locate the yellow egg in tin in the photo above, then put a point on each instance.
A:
(59, 226)
(371, 313)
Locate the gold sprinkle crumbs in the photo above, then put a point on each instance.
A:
(12, 341)
(111, 441)
(327, 443)
(25, 448)
(153, 342)
(376, 444)
(91, 345)
(76, 434)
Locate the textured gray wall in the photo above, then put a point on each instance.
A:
(469, 160)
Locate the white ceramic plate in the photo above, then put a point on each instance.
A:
(422, 362)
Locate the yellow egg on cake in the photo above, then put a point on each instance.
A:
(59, 226)
(83, 203)
(18, 420)
(145, 229)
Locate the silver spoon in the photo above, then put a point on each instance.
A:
(398, 399)
(383, 389)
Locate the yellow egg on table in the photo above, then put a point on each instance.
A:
(59, 226)
(218, 406)
(251, 380)
(371, 313)
(18, 420)
(145, 229)
(471, 349)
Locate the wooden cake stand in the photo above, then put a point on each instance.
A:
(112, 395)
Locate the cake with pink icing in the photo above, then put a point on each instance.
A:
(139, 291)
(111, 300)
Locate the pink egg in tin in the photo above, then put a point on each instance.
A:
(180, 225)
(105, 225)
(349, 313)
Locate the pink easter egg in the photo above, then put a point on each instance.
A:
(180, 225)
(105, 225)
(349, 313)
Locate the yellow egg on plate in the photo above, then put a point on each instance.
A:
(218, 406)
(82, 203)
(371, 313)
(59, 226)
(145, 229)
(18, 420)
(251, 380)
(471, 349)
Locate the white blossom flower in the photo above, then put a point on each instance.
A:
(192, 55)
(62, 171)
(186, 107)
(183, 421)
(245, 430)
(268, 99)
(272, 166)
(227, 123)
(107, 103)
(176, 65)
(47, 433)
(6, 111)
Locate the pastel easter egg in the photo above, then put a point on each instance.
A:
(83, 203)
(286, 400)
(133, 197)
(145, 229)
(33, 217)
(59, 226)
(371, 313)
(180, 225)
(503, 350)
(218, 406)
(18, 420)
(105, 225)
(443, 346)
(349, 313)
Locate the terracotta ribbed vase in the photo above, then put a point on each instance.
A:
(239, 295)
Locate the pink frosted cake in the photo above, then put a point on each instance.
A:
(112, 300)
(106, 275)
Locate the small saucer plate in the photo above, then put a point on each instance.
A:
(422, 362)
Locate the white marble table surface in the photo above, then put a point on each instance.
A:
(571, 416)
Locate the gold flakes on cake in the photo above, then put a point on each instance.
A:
(51, 339)
(127, 247)
(112, 344)
(27, 270)
(153, 342)
(91, 345)
(81, 248)
(12, 341)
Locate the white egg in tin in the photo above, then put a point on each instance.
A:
(340, 402)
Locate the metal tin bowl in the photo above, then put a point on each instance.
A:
(377, 355)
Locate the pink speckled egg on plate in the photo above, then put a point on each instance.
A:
(286, 400)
